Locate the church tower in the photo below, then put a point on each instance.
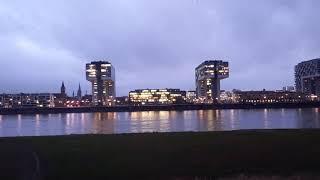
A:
(79, 93)
(63, 90)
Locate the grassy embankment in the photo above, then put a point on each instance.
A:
(171, 155)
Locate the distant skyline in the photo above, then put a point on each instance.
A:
(154, 44)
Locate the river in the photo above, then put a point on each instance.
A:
(157, 121)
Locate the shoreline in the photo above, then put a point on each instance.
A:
(177, 107)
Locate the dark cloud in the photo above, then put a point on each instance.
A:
(154, 44)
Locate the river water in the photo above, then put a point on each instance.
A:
(157, 121)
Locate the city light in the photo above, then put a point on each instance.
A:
(156, 96)
(207, 75)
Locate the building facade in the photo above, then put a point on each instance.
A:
(307, 77)
(208, 75)
(227, 97)
(85, 101)
(157, 96)
(122, 101)
(261, 97)
(191, 96)
(289, 88)
(26, 100)
(102, 76)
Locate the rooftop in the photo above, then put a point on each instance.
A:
(308, 61)
(99, 62)
(210, 62)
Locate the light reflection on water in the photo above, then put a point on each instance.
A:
(157, 121)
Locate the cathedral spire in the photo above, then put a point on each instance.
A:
(63, 89)
(79, 93)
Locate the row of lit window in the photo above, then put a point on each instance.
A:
(271, 100)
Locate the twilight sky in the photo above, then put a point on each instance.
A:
(154, 43)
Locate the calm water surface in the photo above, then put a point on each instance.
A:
(157, 121)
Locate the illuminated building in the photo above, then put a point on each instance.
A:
(307, 77)
(122, 101)
(102, 76)
(191, 96)
(208, 76)
(84, 101)
(157, 96)
(26, 100)
(226, 97)
(259, 97)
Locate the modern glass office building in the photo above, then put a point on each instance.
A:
(157, 96)
(102, 76)
(208, 75)
(307, 77)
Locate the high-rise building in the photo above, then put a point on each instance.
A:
(208, 76)
(307, 77)
(102, 76)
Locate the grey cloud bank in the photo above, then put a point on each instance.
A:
(154, 44)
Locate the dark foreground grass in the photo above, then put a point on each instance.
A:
(172, 155)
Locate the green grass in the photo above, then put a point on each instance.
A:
(167, 155)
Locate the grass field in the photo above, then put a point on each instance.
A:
(164, 155)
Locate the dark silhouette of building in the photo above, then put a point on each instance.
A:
(79, 92)
(63, 90)
(60, 98)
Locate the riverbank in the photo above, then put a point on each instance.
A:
(180, 107)
(187, 155)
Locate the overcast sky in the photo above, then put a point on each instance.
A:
(154, 43)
